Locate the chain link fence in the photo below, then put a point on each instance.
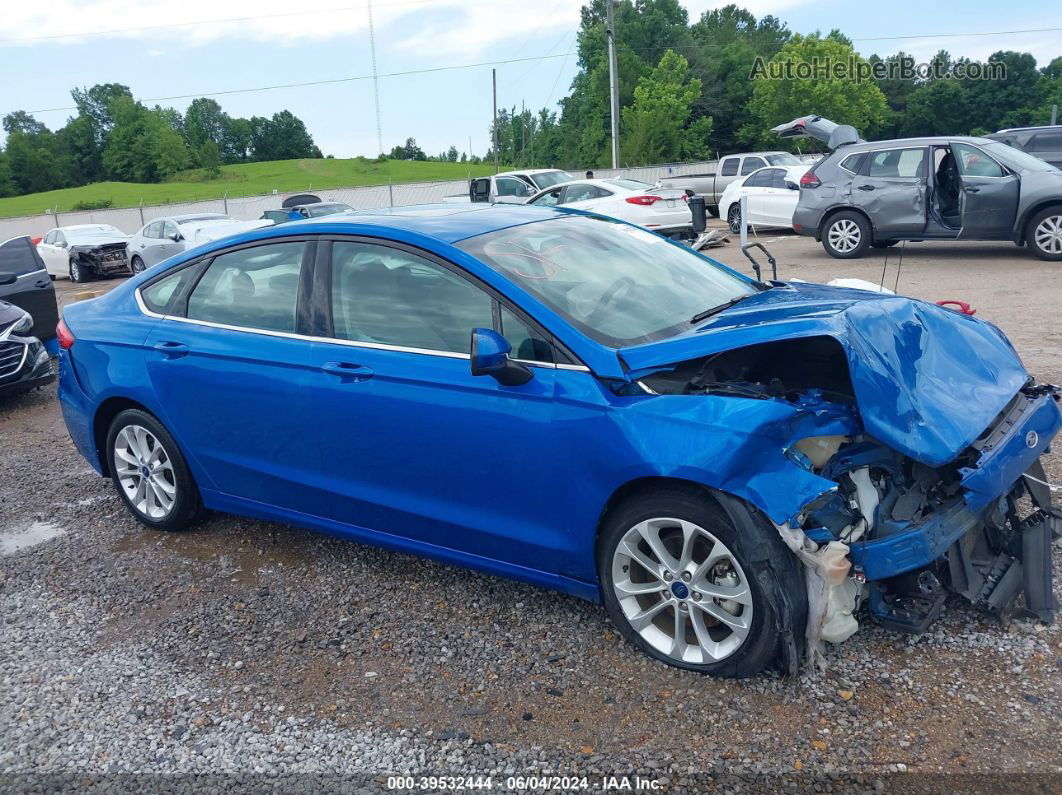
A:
(130, 219)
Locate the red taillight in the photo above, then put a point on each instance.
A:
(809, 180)
(65, 335)
(645, 201)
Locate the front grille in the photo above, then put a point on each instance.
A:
(12, 355)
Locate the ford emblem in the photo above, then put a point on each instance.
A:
(1031, 439)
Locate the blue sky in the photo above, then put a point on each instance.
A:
(283, 42)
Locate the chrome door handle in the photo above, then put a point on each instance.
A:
(972, 189)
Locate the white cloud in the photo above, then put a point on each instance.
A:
(420, 27)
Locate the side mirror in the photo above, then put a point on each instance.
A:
(8, 278)
(60, 244)
(175, 237)
(791, 185)
(490, 356)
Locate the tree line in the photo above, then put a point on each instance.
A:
(686, 91)
(114, 137)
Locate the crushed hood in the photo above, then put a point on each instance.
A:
(927, 380)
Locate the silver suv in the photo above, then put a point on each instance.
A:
(946, 188)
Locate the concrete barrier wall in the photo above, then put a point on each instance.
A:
(130, 219)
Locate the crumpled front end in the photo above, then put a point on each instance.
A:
(925, 436)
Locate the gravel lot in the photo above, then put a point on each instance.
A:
(263, 651)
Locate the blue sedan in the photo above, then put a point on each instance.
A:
(734, 468)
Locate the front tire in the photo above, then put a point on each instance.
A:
(78, 274)
(846, 235)
(679, 582)
(150, 473)
(1044, 233)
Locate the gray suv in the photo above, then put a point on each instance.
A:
(948, 188)
(1043, 142)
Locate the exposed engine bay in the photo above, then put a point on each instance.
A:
(102, 258)
(896, 535)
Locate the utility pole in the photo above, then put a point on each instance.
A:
(1054, 115)
(613, 82)
(494, 80)
(375, 80)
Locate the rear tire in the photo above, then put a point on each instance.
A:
(136, 265)
(733, 219)
(846, 235)
(150, 473)
(1044, 233)
(699, 601)
(713, 210)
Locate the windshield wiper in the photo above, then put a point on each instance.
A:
(707, 313)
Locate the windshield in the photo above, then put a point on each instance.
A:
(1015, 158)
(201, 218)
(548, 179)
(317, 210)
(783, 160)
(618, 284)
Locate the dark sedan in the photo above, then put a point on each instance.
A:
(24, 363)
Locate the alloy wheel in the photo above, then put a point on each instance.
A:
(75, 272)
(1048, 234)
(844, 235)
(733, 219)
(682, 590)
(145, 471)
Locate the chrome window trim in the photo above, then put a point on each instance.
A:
(347, 343)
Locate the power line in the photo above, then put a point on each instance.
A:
(332, 81)
(957, 35)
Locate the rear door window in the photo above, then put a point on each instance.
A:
(897, 163)
(750, 164)
(730, 167)
(254, 288)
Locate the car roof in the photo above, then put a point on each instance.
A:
(191, 217)
(1037, 128)
(528, 171)
(85, 226)
(448, 223)
(866, 146)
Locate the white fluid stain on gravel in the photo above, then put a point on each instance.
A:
(14, 539)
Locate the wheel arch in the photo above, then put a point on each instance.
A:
(644, 485)
(1020, 233)
(101, 424)
(842, 208)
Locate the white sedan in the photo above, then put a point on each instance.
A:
(85, 251)
(662, 210)
(773, 195)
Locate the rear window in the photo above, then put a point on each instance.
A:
(783, 160)
(629, 184)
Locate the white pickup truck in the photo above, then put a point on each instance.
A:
(512, 187)
(711, 183)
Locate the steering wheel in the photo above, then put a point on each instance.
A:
(625, 284)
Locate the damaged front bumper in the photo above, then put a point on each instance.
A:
(986, 537)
